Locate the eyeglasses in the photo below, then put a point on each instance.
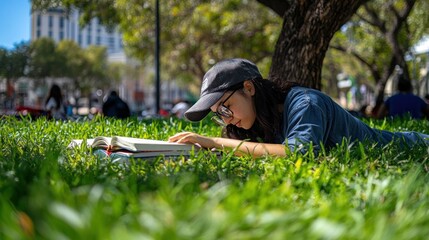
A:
(223, 111)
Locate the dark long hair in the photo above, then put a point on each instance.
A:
(55, 93)
(267, 98)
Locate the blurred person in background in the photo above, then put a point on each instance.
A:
(404, 103)
(54, 103)
(180, 107)
(115, 107)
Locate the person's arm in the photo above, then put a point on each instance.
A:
(242, 147)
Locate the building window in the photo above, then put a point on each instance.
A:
(38, 33)
(61, 22)
(79, 39)
(88, 40)
(51, 21)
(50, 34)
(39, 20)
(98, 40)
(61, 35)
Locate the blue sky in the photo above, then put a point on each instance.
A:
(14, 22)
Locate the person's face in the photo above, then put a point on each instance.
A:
(240, 106)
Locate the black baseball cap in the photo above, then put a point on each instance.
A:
(222, 76)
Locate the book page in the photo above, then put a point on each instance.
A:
(140, 144)
(101, 142)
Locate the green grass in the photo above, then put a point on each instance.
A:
(352, 192)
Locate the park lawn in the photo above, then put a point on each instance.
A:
(354, 191)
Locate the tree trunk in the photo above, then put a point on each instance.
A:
(381, 84)
(308, 27)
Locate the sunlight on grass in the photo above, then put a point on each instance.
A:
(356, 191)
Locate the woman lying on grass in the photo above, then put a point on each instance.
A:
(260, 118)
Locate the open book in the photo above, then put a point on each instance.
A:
(134, 147)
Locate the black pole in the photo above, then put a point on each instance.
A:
(157, 47)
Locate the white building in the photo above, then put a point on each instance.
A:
(56, 24)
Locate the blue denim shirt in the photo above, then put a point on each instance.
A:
(310, 116)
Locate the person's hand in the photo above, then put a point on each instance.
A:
(190, 137)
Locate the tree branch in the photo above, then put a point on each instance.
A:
(278, 6)
(374, 18)
(357, 56)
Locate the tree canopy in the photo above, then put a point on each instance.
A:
(43, 58)
(198, 33)
(13, 63)
(381, 36)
